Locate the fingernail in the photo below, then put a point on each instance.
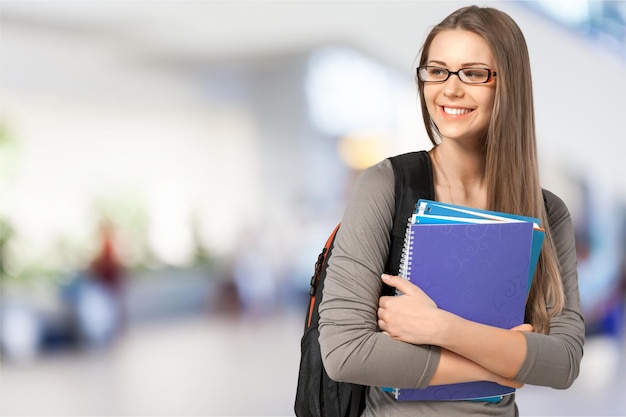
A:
(385, 276)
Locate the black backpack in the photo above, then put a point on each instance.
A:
(317, 395)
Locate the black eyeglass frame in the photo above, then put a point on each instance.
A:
(490, 74)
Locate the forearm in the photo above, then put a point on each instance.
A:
(500, 351)
(454, 368)
(372, 358)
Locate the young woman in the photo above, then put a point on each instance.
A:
(476, 97)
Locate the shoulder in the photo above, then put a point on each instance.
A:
(380, 169)
(413, 171)
(377, 178)
(372, 195)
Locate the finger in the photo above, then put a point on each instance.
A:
(403, 285)
(382, 301)
(381, 324)
(523, 328)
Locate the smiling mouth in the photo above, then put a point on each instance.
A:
(456, 111)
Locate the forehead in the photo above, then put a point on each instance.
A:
(459, 47)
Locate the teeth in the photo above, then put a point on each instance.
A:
(455, 112)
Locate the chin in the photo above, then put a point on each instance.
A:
(462, 135)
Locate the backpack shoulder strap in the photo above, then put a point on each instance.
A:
(413, 174)
(413, 180)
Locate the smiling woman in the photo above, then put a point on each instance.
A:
(484, 156)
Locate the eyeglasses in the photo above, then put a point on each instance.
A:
(430, 74)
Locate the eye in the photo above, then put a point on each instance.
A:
(476, 73)
(437, 72)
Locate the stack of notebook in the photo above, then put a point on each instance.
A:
(476, 264)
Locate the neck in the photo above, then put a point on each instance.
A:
(459, 176)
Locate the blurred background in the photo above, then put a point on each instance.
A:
(169, 171)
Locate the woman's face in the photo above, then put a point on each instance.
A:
(460, 111)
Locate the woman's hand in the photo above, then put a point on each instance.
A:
(411, 317)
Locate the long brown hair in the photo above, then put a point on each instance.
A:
(511, 173)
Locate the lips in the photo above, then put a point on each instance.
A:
(456, 111)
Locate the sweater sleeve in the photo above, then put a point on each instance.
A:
(353, 348)
(554, 359)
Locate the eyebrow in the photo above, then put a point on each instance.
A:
(465, 65)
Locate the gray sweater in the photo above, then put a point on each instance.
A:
(353, 348)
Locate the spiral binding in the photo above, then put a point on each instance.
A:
(405, 257)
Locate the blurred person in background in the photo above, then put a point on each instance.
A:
(106, 268)
(476, 95)
(96, 294)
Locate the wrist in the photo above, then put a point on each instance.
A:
(443, 325)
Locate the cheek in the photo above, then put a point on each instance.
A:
(490, 101)
(430, 94)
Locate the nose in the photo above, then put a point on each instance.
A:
(453, 87)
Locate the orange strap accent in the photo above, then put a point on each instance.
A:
(317, 277)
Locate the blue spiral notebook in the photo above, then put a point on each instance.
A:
(476, 267)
